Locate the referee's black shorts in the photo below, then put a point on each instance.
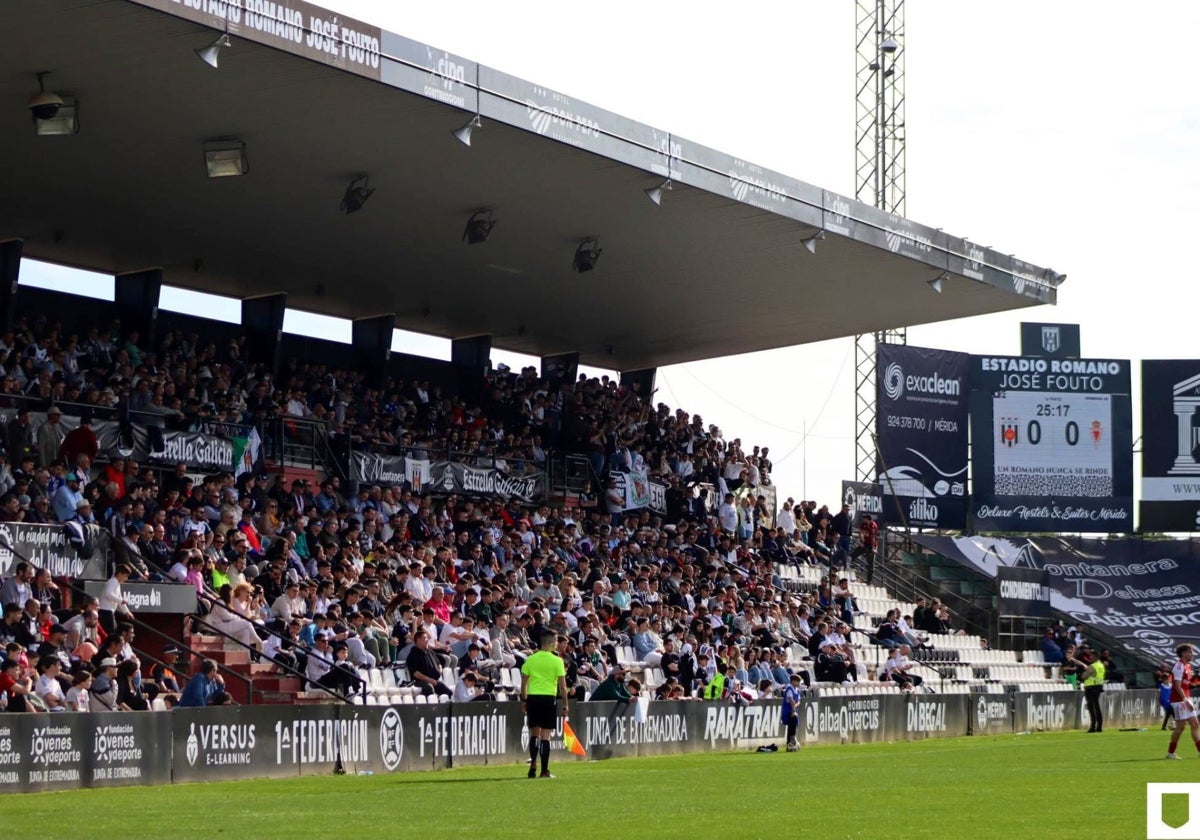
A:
(541, 710)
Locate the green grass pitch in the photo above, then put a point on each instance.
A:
(1059, 786)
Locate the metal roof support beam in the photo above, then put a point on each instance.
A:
(372, 340)
(474, 352)
(136, 295)
(641, 382)
(561, 366)
(262, 320)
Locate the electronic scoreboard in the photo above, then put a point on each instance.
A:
(1052, 444)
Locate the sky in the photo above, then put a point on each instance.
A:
(1063, 133)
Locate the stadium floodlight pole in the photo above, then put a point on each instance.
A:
(879, 181)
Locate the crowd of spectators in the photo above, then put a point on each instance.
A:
(325, 579)
(187, 383)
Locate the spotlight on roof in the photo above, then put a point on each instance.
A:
(225, 157)
(464, 134)
(655, 194)
(478, 227)
(53, 113)
(586, 255)
(811, 242)
(1053, 277)
(210, 54)
(357, 193)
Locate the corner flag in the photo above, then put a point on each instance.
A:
(570, 741)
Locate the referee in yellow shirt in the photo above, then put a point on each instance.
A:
(543, 680)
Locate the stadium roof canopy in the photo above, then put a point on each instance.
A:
(319, 99)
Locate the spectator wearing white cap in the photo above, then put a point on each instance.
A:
(83, 513)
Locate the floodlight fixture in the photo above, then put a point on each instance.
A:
(655, 194)
(225, 157)
(1053, 277)
(463, 134)
(888, 45)
(210, 54)
(936, 282)
(586, 255)
(357, 193)
(811, 242)
(478, 227)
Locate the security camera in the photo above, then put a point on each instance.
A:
(45, 105)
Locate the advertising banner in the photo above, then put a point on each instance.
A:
(1170, 445)
(921, 434)
(863, 497)
(434, 73)
(1024, 592)
(1053, 444)
(658, 497)
(722, 726)
(1125, 709)
(854, 720)
(51, 547)
(128, 749)
(1050, 341)
(260, 741)
(451, 477)
(1144, 593)
(65, 752)
(196, 449)
(445, 476)
(374, 468)
(222, 446)
(458, 734)
(293, 26)
(1131, 708)
(1046, 711)
(990, 714)
(935, 716)
(40, 752)
(169, 598)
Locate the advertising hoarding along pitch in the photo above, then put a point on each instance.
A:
(921, 435)
(1170, 445)
(1053, 448)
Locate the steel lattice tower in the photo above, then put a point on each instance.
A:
(878, 180)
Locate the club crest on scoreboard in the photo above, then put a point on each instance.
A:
(1009, 431)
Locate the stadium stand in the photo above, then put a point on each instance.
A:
(310, 591)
